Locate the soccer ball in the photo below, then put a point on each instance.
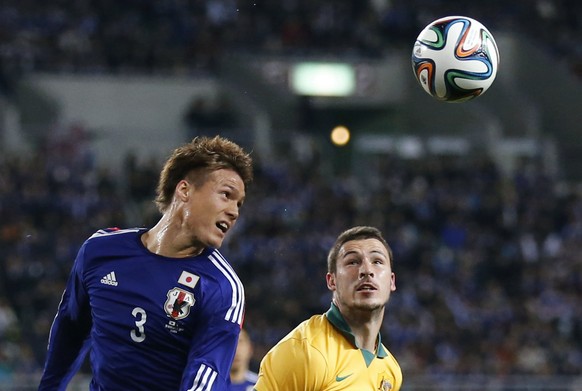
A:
(455, 59)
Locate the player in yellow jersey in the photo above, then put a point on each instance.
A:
(342, 349)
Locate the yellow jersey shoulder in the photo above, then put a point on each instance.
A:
(317, 355)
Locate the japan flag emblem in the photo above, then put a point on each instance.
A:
(188, 279)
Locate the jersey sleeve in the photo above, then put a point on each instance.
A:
(292, 364)
(68, 339)
(214, 345)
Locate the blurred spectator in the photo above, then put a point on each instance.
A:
(242, 377)
(476, 286)
(206, 116)
(183, 36)
(491, 266)
(472, 278)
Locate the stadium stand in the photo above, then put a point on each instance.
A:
(489, 272)
(188, 36)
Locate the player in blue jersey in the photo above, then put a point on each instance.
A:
(159, 308)
(241, 377)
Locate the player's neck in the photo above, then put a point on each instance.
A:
(366, 337)
(365, 326)
(163, 240)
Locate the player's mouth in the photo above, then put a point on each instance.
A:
(366, 287)
(223, 226)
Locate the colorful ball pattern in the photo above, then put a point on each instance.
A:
(455, 59)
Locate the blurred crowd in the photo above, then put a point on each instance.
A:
(184, 36)
(50, 198)
(489, 272)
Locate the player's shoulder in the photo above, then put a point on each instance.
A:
(314, 328)
(301, 346)
(220, 267)
(221, 283)
(114, 234)
(389, 358)
(111, 241)
(312, 331)
(319, 334)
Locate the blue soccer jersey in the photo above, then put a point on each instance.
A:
(150, 322)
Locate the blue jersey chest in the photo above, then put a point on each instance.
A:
(145, 301)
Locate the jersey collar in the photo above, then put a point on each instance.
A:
(335, 318)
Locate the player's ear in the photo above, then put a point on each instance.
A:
(182, 190)
(330, 279)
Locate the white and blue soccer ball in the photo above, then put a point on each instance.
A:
(455, 59)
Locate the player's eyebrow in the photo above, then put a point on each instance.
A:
(378, 252)
(348, 253)
(372, 252)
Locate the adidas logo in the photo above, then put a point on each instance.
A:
(109, 279)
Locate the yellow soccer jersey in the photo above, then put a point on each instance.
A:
(321, 355)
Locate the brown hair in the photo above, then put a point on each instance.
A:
(355, 233)
(199, 157)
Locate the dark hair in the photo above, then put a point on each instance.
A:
(199, 157)
(355, 233)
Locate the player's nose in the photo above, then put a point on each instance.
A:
(366, 270)
(233, 210)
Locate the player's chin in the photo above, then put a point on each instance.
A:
(215, 243)
(216, 239)
(369, 305)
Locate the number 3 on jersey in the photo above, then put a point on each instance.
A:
(138, 334)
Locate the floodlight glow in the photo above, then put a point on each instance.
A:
(323, 79)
